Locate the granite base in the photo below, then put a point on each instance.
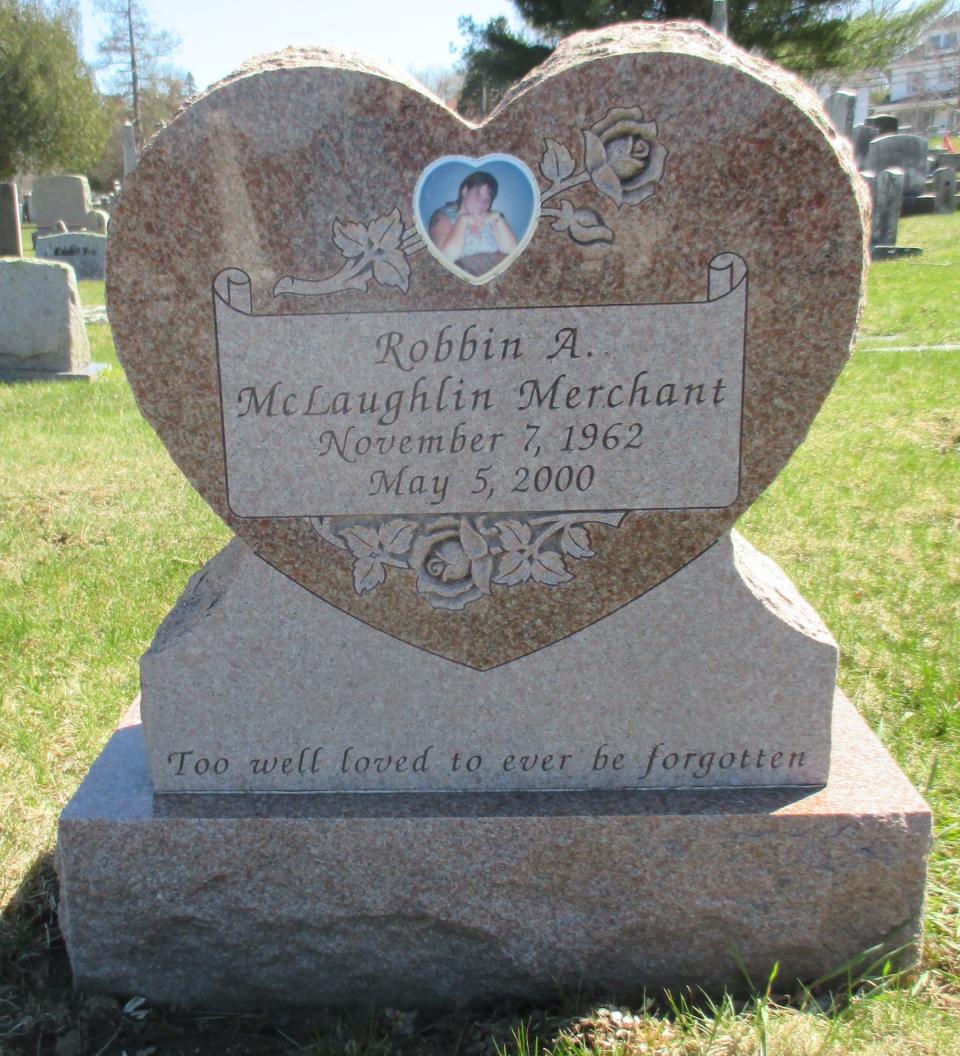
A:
(86, 373)
(439, 899)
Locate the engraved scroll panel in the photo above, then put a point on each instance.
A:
(518, 409)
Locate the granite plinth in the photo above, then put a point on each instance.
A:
(437, 899)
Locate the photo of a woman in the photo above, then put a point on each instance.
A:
(469, 231)
(476, 214)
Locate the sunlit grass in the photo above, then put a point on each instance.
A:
(914, 301)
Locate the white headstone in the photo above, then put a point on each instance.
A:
(65, 198)
(82, 250)
(41, 321)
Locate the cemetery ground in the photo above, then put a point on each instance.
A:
(99, 533)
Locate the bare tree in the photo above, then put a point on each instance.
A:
(445, 83)
(135, 49)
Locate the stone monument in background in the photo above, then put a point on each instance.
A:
(129, 148)
(42, 333)
(486, 699)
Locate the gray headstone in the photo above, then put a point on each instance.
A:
(97, 221)
(887, 196)
(65, 198)
(41, 322)
(945, 159)
(944, 190)
(11, 242)
(901, 151)
(885, 124)
(840, 107)
(863, 136)
(129, 149)
(83, 251)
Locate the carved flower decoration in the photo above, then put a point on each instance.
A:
(622, 155)
(378, 244)
(453, 563)
(458, 558)
(524, 557)
(583, 225)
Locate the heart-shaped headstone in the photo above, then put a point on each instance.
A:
(425, 443)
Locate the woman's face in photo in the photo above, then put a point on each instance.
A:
(477, 200)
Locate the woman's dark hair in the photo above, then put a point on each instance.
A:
(478, 179)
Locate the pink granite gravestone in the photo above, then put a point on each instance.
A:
(482, 404)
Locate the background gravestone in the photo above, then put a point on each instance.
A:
(482, 405)
(41, 322)
(11, 241)
(863, 136)
(901, 151)
(83, 251)
(945, 189)
(885, 124)
(840, 108)
(129, 149)
(65, 198)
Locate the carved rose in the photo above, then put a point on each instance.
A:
(622, 155)
(453, 563)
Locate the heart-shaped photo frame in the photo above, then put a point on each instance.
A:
(476, 216)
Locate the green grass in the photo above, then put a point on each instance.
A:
(99, 532)
(914, 301)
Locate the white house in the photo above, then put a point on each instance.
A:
(925, 81)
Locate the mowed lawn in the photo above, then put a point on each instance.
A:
(99, 533)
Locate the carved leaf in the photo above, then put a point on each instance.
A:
(587, 227)
(514, 535)
(350, 238)
(605, 180)
(368, 574)
(386, 231)
(481, 571)
(324, 527)
(362, 541)
(549, 569)
(392, 269)
(591, 235)
(557, 162)
(575, 541)
(514, 569)
(396, 537)
(566, 216)
(473, 543)
(594, 156)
